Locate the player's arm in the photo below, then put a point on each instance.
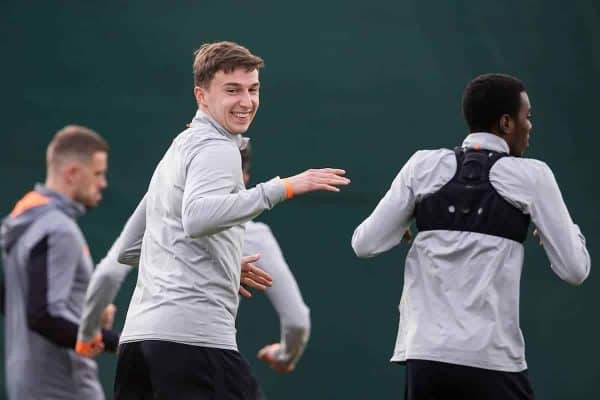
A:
(563, 241)
(389, 222)
(108, 277)
(286, 298)
(102, 290)
(209, 204)
(51, 271)
(129, 245)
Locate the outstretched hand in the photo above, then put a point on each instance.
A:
(327, 179)
(253, 276)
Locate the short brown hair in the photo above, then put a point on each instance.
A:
(74, 141)
(222, 56)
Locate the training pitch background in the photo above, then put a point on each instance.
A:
(354, 84)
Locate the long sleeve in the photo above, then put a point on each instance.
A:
(111, 272)
(285, 294)
(540, 196)
(384, 228)
(129, 245)
(210, 201)
(104, 285)
(51, 270)
(564, 243)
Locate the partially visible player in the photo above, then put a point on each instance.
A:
(47, 267)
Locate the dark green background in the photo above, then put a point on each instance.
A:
(353, 84)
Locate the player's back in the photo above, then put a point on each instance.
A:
(460, 299)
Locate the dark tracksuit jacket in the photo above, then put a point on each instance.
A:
(47, 268)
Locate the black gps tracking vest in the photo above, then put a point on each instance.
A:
(470, 203)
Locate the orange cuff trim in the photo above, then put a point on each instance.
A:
(289, 190)
(86, 348)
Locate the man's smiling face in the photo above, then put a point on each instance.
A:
(232, 98)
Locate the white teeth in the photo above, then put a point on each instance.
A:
(241, 115)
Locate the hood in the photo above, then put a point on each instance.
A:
(29, 209)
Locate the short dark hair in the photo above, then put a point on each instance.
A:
(74, 141)
(226, 56)
(488, 97)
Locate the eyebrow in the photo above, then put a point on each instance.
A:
(236, 84)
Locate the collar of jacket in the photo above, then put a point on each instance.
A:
(201, 117)
(487, 141)
(70, 207)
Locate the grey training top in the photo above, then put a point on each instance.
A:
(47, 267)
(460, 300)
(285, 295)
(196, 207)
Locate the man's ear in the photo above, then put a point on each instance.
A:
(70, 171)
(507, 124)
(200, 95)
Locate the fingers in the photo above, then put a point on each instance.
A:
(108, 316)
(245, 292)
(329, 176)
(259, 273)
(267, 354)
(263, 354)
(255, 277)
(255, 282)
(326, 179)
(336, 171)
(250, 259)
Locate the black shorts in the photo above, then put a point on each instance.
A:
(161, 370)
(432, 380)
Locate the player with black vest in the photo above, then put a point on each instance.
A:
(459, 331)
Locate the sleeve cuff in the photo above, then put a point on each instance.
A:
(110, 339)
(274, 191)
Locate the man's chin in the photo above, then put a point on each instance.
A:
(89, 204)
(240, 130)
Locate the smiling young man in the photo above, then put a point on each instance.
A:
(459, 331)
(179, 339)
(47, 267)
